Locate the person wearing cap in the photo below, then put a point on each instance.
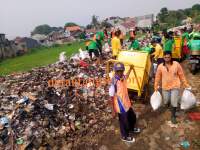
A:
(116, 45)
(121, 103)
(170, 75)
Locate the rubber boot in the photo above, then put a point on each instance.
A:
(173, 115)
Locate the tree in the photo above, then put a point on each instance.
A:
(95, 21)
(89, 26)
(163, 14)
(197, 19)
(164, 11)
(105, 24)
(42, 29)
(70, 24)
(168, 18)
(196, 7)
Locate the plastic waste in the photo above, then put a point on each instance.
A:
(156, 100)
(4, 121)
(155, 67)
(194, 116)
(111, 90)
(107, 47)
(111, 74)
(83, 54)
(83, 64)
(62, 57)
(185, 144)
(19, 141)
(4, 137)
(23, 100)
(71, 106)
(188, 100)
(75, 57)
(49, 106)
(72, 117)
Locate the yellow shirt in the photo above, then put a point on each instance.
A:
(116, 46)
(158, 52)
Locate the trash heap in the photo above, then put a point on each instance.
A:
(34, 115)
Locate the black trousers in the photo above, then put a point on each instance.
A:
(127, 122)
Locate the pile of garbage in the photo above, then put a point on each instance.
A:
(34, 115)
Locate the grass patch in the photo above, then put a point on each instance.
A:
(37, 57)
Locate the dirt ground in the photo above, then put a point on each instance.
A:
(157, 134)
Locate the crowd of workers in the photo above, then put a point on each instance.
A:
(168, 77)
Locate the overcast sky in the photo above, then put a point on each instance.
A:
(19, 17)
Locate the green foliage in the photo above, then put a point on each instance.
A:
(95, 21)
(83, 35)
(45, 29)
(105, 24)
(169, 18)
(38, 57)
(89, 26)
(42, 29)
(197, 19)
(70, 24)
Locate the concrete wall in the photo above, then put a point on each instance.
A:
(7, 49)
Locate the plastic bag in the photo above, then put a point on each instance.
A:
(83, 54)
(106, 47)
(111, 90)
(75, 57)
(156, 100)
(188, 100)
(62, 57)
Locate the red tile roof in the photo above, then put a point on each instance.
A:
(73, 28)
(130, 24)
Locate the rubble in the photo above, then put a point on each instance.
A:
(39, 116)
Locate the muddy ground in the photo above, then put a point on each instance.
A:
(157, 134)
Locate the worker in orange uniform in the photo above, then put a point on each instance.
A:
(170, 75)
(121, 103)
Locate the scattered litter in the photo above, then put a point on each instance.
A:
(194, 116)
(167, 138)
(62, 57)
(23, 100)
(172, 125)
(49, 106)
(4, 121)
(185, 144)
(20, 141)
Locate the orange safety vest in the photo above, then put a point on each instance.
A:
(122, 102)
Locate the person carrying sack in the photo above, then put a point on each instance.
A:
(121, 103)
(170, 75)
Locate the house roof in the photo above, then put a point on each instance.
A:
(73, 28)
(39, 36)
(129, 24)
(19, 39)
